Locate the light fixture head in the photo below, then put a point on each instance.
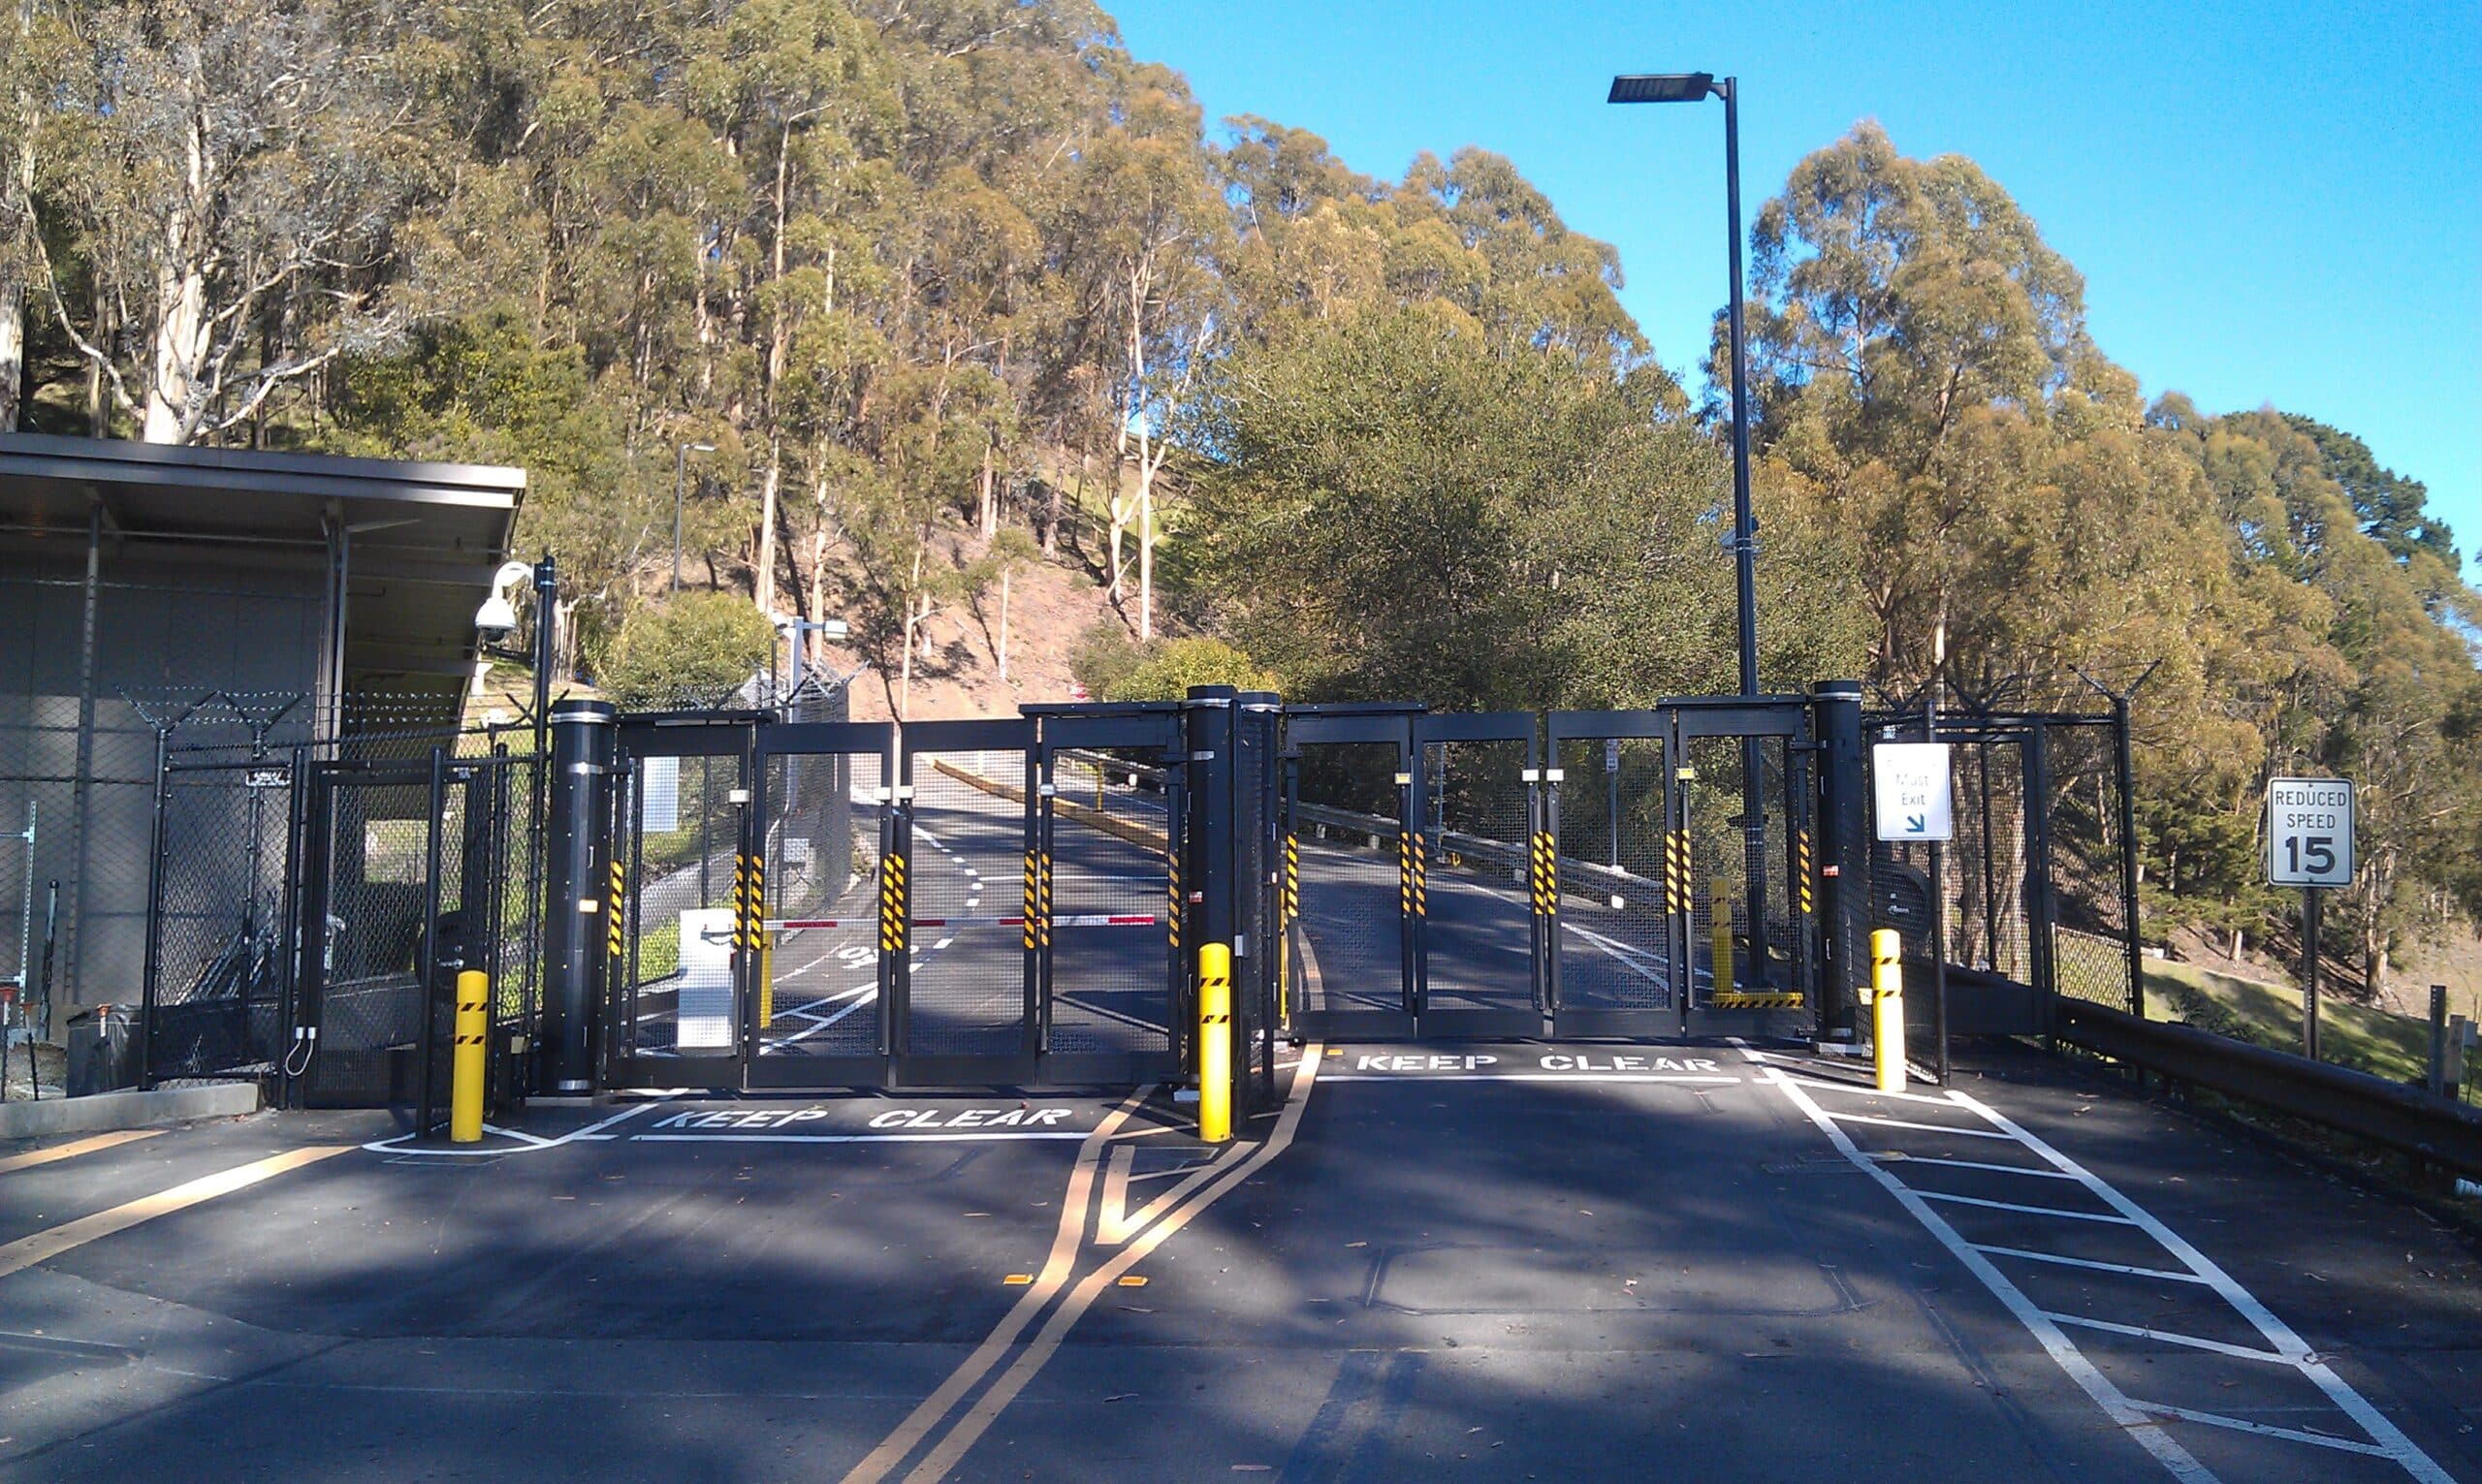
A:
(496, 619)
(1662, 87)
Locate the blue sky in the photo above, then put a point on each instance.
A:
(2271, 203)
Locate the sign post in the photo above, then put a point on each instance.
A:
(1911, 786)
(2309, 844)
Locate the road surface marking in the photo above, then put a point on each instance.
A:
(2164, 1274)
(528, 1144)
(969, 1428)
(2140, 1420)
(44, 1245)
(75, 1148)
(934, 1408)
(1967, 1164)
(2031, 1211)
(1936, 1128)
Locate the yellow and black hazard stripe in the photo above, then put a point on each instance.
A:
(741, 902)
(1172, 894)
(1291, 879)
(892, 904)
(1043, 900)
(1756, 1000)
(755, 905)
(1405, 872)
(1547, 875)
(1029, 934)
(1677, 870)
(612, 923)
(1801, 871)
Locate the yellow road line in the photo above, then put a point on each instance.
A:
(971, 1427)
(75, 1148)
(1057, 1267)
(44, 1245)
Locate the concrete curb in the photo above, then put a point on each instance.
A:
(106, 1111)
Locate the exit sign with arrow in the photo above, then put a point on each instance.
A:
(1909, 782)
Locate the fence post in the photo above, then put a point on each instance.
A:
(583, 737)
(2437, 1081)
(425, 1109)
(1844, 853)
(154, 960)
(2129, 854)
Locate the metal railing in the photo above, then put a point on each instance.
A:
(2404, 1118)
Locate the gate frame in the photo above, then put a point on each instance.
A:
(1447, 729)
(761, 1072)
(677, 735)
(1659, 724)
(1355, 723)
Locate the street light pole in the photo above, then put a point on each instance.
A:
(680, 465)
(1696, 87)
(1745, 522)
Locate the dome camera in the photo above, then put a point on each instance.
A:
(496, 619)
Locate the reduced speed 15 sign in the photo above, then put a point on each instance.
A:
(2309, 832)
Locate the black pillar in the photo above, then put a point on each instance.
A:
(576, 893)
(1206, 718)
(1844, 852)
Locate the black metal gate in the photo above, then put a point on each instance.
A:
(837, 905)
(414, 873)
(1585, 874)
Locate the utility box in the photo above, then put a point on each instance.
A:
(103, 1049)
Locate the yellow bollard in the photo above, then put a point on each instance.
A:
(1719, 928)
(1887, 1007)
(1215, 1043)
(465, 1071)
(766, 979)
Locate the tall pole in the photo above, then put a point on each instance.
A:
(1745, 551)
(547, 617)
(1744, 526)
(680, 463)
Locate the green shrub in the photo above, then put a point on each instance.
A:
(692, 650)
(1169, 667)
(1103, 656)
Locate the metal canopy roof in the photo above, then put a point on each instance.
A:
(423, 539)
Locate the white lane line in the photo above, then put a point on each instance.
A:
(733, 1138)
(2174, 1336)
(2165, 1275)
(2400, 1448)
(1867, 1089)
(1421, 1077)
(1622, 954)
(2036, 1171)
(1936, 1128)
(944, 942)
(1108, 1013)
(528, 1144)
(2031, 1211)
(2266, 1429)
(2141, 1426)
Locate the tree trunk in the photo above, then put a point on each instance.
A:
(1003, 626)
(990, 500)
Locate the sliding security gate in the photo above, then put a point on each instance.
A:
(820, 905)
(1588, 873)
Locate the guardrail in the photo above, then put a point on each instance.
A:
(2400, 1118)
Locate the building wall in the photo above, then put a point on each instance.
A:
(172, 621)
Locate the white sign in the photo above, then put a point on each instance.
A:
(1611, 754)
(660, 795)
(1910, 783)
(704, 1010)
(2309, 832)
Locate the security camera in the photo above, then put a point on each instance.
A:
(496, 619)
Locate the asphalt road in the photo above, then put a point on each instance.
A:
(1501, 1262)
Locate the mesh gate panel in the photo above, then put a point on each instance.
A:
(369, 1013)
(825, 814)
(677, 954)
(1720, 888)
(1351, 893)
(1614, 934)
(2089, 935)
(1109, 842)
(1478, 928)
(964, 873)
(221, 919)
